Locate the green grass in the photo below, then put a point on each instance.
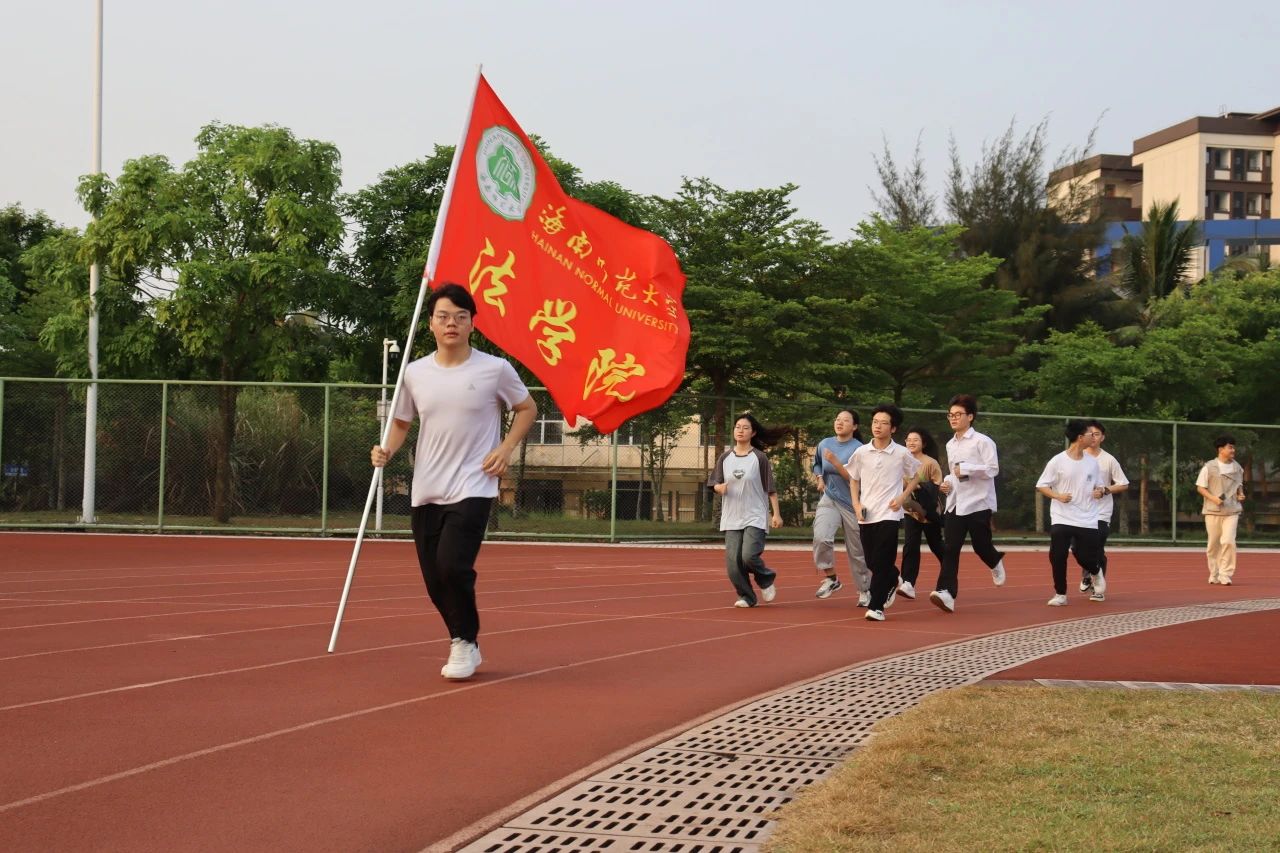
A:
(1029, 768)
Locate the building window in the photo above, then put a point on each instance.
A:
(1253, 204)
(1109, 190)
(1222, 158)
(1255, 161)
(1221, 202)
(629, 434)
(548, 428)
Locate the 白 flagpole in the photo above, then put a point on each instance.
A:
(428, 273)
(88, 496)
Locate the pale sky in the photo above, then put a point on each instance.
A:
(748, 94)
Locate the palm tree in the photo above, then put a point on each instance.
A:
(1160, 258)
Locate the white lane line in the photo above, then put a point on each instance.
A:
(363, 712)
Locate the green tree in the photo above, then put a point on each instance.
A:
(23, 306)
(904, 199)
(1158, 260)
(235, 254)
(749, 262)
(921, 321)
(1002, 200)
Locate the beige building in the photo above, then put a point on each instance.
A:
(1219, 169)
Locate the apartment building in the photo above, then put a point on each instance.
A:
(1220, 169)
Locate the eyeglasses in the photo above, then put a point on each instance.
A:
(458, 317)
(1094, 434)
(880, 422)
(956, 414)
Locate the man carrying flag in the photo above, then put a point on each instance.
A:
(591, 305)
(458, 394)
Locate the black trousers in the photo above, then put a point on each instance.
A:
(1104, 530)
(448, 538)
(880, 547)
(912, 530)
(975, 525)
(1085, 542)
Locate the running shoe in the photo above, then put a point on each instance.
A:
(828, 586)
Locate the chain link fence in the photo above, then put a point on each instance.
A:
(294, 458)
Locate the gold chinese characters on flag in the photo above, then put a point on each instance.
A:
(591, 305)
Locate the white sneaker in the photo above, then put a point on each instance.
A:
(829, 585)
(742, 602)
(1099, 583)
(1086, 583)
(464, 657)
(864, 599)
(893, 596)
(907, 589)
(769, 593)
(943, 600)
(875, 615)
(1097, 596)
(1058, 601)
(997, 574)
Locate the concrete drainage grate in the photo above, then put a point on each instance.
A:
(711, 789)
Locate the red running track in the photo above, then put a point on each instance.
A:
(163, 693)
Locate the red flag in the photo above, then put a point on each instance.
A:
(591, 305)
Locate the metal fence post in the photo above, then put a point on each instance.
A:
(1173, 488)
(324, 469)
(613, 500)
(164, 452)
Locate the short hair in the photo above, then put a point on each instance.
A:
(967, 401)
(1096, 424)
(894, 413)
(455, 293)
(1223, 440)
(1075, 429)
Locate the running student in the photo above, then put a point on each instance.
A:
(922, 517)
(970, 487)
(1072, 481)
(744, 478)
(835, 510)
(457, 393)
(1221, 484)
(880, 478)
(1113, 483)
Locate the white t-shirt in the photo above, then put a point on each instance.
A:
(1076, 477)
(1112, 475)
(1224, 468)
(460, 413)
(879, 474)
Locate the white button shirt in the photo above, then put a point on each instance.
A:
(976, 455)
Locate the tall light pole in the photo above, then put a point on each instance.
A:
(87, 515)
(389, 346)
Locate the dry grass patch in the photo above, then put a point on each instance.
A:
(1031, 768)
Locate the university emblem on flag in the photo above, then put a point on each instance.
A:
(504, 173)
